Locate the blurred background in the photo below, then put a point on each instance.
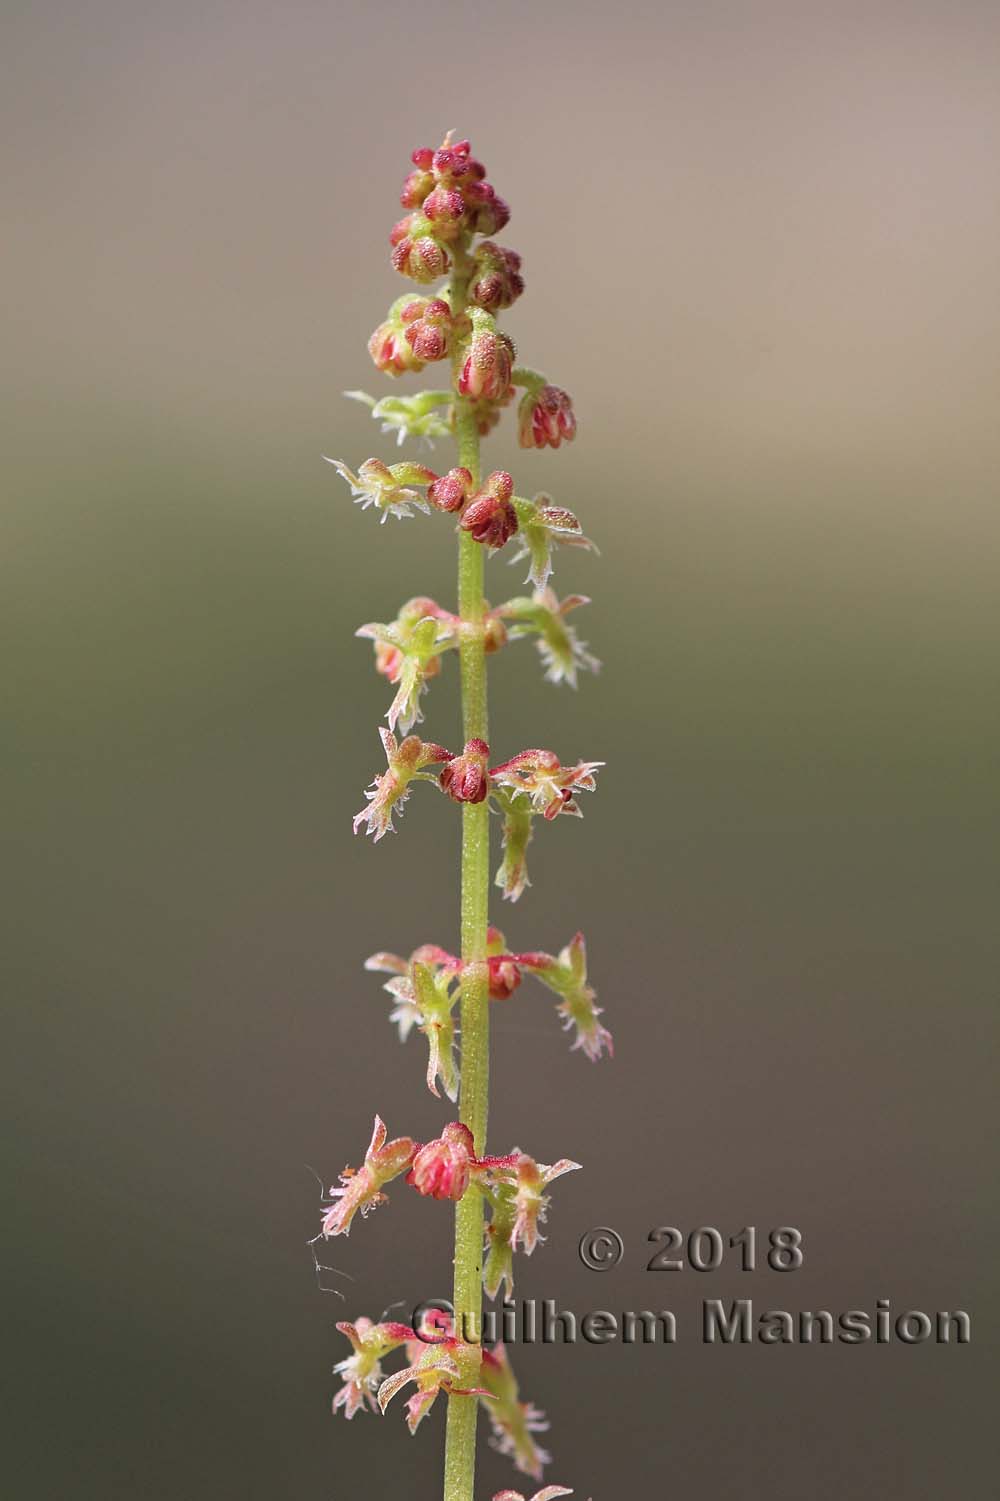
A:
(760, 245)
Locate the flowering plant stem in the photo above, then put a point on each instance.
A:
(451, 204)
(460, 1438)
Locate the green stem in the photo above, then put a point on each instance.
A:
(460, 1439)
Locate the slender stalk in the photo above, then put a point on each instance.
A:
(460, 1438)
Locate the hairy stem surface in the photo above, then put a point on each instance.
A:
(460, 1440)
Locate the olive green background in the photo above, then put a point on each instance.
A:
(760, 246)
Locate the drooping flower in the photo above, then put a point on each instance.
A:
(514, 1187)
(567, 976)
(387, 487)
(389, 791)
(362, 1371)
(545, 418)
(512, 877)
(425, 991)
(392, 353)
(540, 526)
(465, 778)
(442, 1168)
(551, 787)
(490, 517)
(407, 653)
(514, 1422)
(563, 653)
(361, 1188)
(530, 1200)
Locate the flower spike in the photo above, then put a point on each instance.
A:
(362, 1187)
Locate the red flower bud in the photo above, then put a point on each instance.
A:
(445, 207)
(416, 186)
(505, 976)
(415, 253)
(490, 516)
(451, 490)
(428, 328)
(441, 1169)
(487, 366)
(465, 778)
(422, 158)
(545, 418)
(497, 282)
(391, 351)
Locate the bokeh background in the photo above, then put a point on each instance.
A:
(761, 244)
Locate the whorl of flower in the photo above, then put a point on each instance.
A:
(437, 1366)
(490, 517)
(425, 992)
(387, 487)
(428, 328)
(465, 778)
(362, 1372)
(540, 526)
(514, 1422)
(407, 653)
(389, 791)
(496, 277)
(545, 418)
(488, 361)
(547, 1493)
(450, 491)
(567, 976)
(362, 1187)
(551, 787)
(563, 653)
(442, 1168)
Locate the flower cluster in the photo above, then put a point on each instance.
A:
(452, 217)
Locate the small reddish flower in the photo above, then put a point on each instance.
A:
(496, 281)
(450, 491)
(504, 974)
(545, 418)
(362, 1187)
(529, 1198)
(416, 185)
(389, 792)
(362, 1371)
(465, 777)
(445, 208)
(442, 1168)
(390, 349)
(428, 328)
(489, 360)
(550, 786)
(490, 517)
